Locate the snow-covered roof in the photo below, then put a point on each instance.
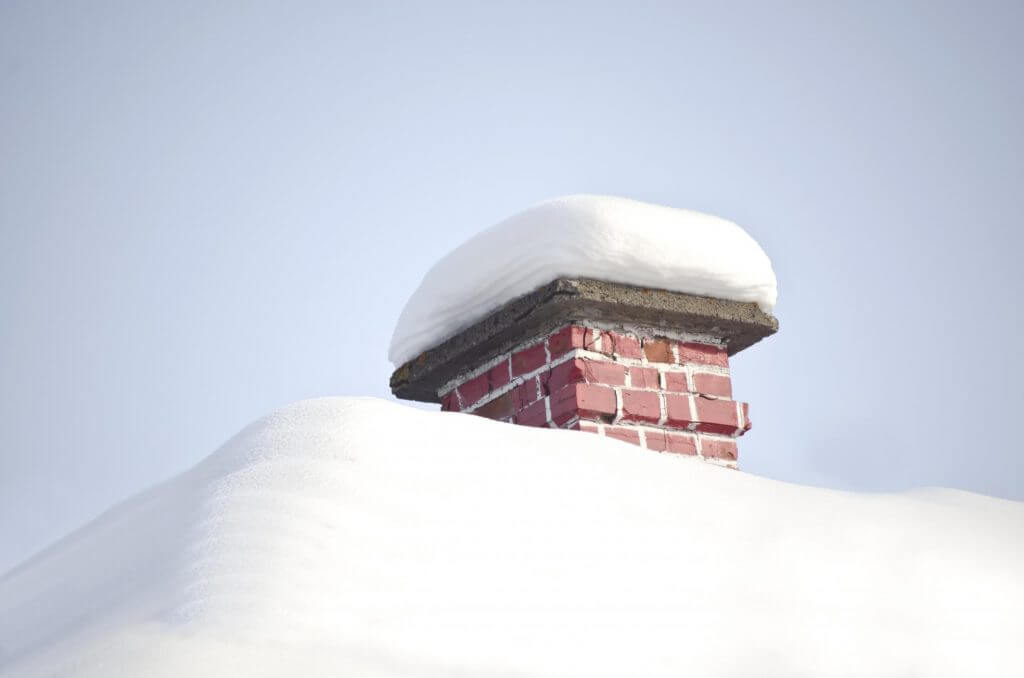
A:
(607, 238)
(360, 537)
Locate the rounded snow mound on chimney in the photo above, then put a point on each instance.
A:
(587, 236)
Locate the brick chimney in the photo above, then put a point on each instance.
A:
(647, 366)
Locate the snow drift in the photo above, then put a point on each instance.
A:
(359, 537)
(613, 239)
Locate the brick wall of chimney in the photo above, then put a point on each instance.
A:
(664, 394)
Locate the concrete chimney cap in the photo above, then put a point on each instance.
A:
(734, 324)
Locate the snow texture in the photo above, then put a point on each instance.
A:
(612, 239)
(357, 537)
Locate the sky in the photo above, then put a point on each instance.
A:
(209, 210)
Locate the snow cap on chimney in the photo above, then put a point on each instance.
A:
(594, 313)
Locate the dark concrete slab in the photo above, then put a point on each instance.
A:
(566, 301)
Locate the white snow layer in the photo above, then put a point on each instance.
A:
(357, 537)
(607, 238)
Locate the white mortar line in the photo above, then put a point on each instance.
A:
(637, 331)
(581, 353)
(589, 355)
(724, 437)
(475, 372)
(480, 369)
(575, 353)
(451, 384)
(667, 367)
(522, 379)
(647, 331)
(656, 429)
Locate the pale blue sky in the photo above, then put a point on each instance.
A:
(208, 210)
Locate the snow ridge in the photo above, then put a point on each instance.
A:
(354, 536)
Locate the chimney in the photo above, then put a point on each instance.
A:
(646, 366)
(594, 313)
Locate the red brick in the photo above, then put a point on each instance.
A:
(676, 382)
(607, 343)
(716, 416)
(717, 448)
(474, 389)
(644, 377)
(641, 406)
(712, 384)
(678, 407)
(528, 359)
(526, 393)
(655, 440)
(559, 376)
(582, 369)
(564, 405)
(450, 402)
(587, 427)
(746, 416)
(625, 346)
(599, 372)
(658, 351)
(594, 401)
(565, 340)
(502, 407)
(499, 375)
(533, 415)
(703, 354)
(630, 435)
(681, 444)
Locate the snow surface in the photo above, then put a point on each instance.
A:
(358, 537)
(613, 239)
